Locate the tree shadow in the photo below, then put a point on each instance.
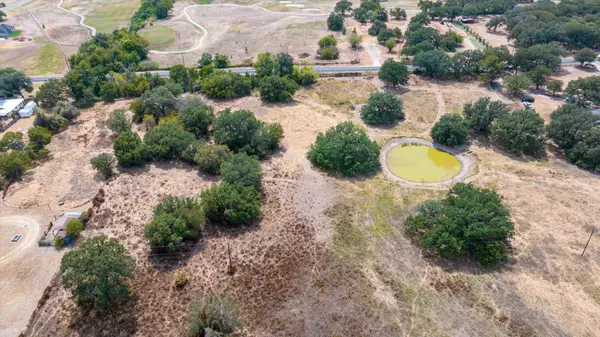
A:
(119, 320)
(486, 143)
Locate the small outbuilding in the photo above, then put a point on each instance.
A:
(8, 106)
(5, 30)
(28, 110)
(467, 20)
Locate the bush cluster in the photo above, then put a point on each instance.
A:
(470, 221)
(175, 220)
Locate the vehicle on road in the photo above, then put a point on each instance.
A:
(527, 99)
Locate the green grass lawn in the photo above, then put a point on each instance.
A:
(106, 18)
(203, 2)
(159, 37)
(15, 33)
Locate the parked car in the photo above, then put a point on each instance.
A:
(571, 99)
(527, 99)
(527, 105)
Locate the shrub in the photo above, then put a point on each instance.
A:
(470, 221)
(209, 157)
(277, 89)
(167, 231)
(38, 137)
(376, 27)
(522, 131)
(129, 149)
(221, 61)
(66, 110)
(243, 170)
(222, 84)
(187, 209)
(327, 41)
(382, 108)
(167, 141)
(231, 204)
(197, 118)
(97, 256)
(104, 163)
(570, 124)
(345, 148)
(13, 164)
(451, 130)
(12, 141)
(58, 242)
(483, 112)
(73, 227)
(118, 122)
(52, 122)
(306, 76)
(586, 154)
(157, 102)
(180, 278)
(328, 53)
(355, 40)
(213, 316)
(555, 86)
(242, 132)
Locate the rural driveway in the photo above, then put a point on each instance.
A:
(25, 268)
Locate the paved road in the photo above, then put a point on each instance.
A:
(15, 5)
(250, 70)
(319, 69)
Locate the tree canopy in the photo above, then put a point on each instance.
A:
(483, 112)
(242, 169)
(470, 221)
(393, 73)
(521, 131)
(97, 272)
(451, 130)
(345, 148)
(13, 81)
(382, 108)
(232, 204)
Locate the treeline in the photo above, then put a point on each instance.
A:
(452, 9)
(573, 128)
(150, 9)
(574, 23)
(92, 65)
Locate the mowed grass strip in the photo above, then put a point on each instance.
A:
(203, 2)
(159, 37)
(108, 17)
(48, 61)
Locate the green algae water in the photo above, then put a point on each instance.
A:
(420, 163)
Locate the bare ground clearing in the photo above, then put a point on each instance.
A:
(495, 39)
(329, 257)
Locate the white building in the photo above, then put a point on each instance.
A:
(28, 109)
(8, 106)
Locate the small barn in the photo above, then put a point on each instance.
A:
(467, 20)
(28, 110)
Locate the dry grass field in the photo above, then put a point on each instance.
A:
(328, 256)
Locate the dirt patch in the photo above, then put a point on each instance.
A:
(67, 175)
(495, 39)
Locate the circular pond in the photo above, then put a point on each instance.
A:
(421, 163)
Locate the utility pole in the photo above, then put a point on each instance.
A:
(588, 241)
